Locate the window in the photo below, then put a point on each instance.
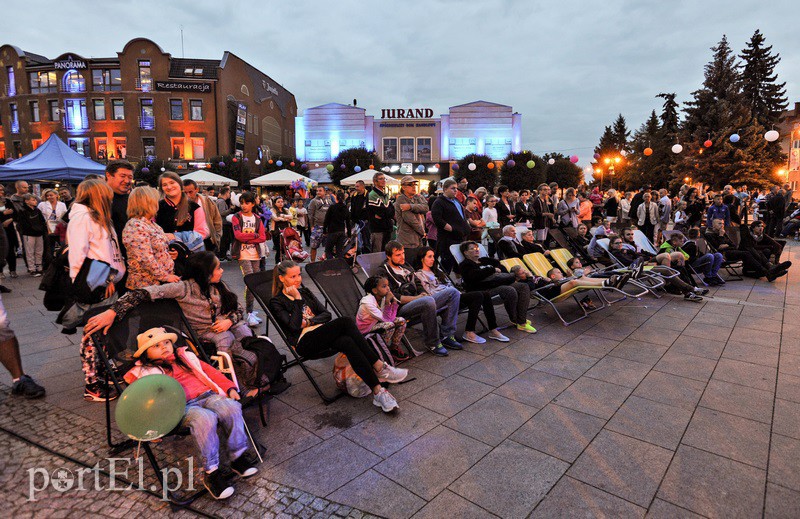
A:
(191, 71)
(176, 144)
(199, 148)
(99, 109)
(35, 143)
(2, 151)
(407, 149)
(390, 148)
(102, 149)
(73, 81)
(195, 110)
(52, 107)
(17, 149)
(14, 118)
(11, 90)
(35, 111)
(106, 80)
(147, 120)
(43, 82)
(118, 109)
(423, 149)
(145, 82)
(80, 145)
(76, 118)
(120, 147)
(176, 109)
(149, 144)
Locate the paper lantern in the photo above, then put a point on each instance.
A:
(279, 163)
(304, 167)
(343, 167)
(222, 164)
(270, 161)
(145, 170)
(648, 151)
(291, 164)
(623, 153)
(235, 160)
(329, 167)
(258, 162)
(245, 159)
(490, 165)
(163, 169)
(551, 161)
(511, 163)
(530, 164)
(735, 137)
(472, 166)
(772, 136)
(677, 148)
(708, 143)
(574, 159)
(372, 166)
(357, 169)
(436, 165)
(596, 156)
(455, 167)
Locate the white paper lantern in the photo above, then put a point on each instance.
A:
(623, 153)
(772, 136)
(677, 148)
(163, 169)
(472, 166)
(735, 137)
(551, 161)
(258, 162)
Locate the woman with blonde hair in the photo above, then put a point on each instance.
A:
(177, 214)
(149, 260)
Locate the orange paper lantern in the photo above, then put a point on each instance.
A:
(648, 151)
(708, 143)
(270, 161)
(371, 166)
(490, 165)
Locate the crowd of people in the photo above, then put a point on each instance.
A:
(123, 244)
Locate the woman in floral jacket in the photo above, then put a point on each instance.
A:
(149, 260)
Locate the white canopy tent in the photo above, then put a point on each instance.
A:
(366, 177)
(283, 177)
(207, 178)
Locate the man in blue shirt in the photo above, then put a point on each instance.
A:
(718, 210)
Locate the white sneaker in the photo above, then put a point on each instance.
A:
(385, 401)
(252, 320)
(391, 374)
(496, 335)
(473, 338)
(254, 313)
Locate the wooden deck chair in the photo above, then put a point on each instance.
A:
(539, 265)
(260, 285)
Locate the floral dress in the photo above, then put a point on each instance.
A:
(149, 262)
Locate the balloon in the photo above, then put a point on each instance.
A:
(735, 137)
(472, 166)
(329, 167)
(436, 165)
(258, 162)
(245, 159)
(490, 165)
(372, 166)
(511, 163)
(708, 143)
(316, 165)
(596, 156)
(677, 148)
(455, 167)
(574, 159)
(648, 151)
(357, 169)
(623, 153)
(150, 408)
(279, 163)
(291, 163)
(420, 168)
(551, 161)
(530, 164)
(772, 136)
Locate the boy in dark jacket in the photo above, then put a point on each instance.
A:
(32, 228)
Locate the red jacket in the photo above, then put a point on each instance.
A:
(260, 236)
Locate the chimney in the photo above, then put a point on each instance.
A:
(797, 108)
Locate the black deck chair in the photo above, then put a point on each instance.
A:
(728, 266)
(116, 356)
(338, 285)
(260, 285)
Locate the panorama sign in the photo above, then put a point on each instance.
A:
(69, 63)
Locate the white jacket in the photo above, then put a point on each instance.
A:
(87, 239)
(653, 213)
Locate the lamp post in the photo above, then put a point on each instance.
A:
(610, 163)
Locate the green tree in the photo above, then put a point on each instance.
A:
(564, 173)
(289, 163)
(670, 122)
(520, 176)
(621, 134)
(653, 169)
(482, 176)
(762, 92)
(351, 158)
(152, 172)
(224, 165)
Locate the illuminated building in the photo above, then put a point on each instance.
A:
(410, 137)
(143, 102)
(789, 129)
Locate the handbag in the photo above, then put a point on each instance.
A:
(89, 286)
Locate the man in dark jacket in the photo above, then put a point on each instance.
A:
(755, 240)
(776, 204)
(753, 265)
(637, 200)
(451, 223)
(381, 213)
(336, 227)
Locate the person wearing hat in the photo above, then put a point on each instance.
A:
(211, 399)
(409, 212)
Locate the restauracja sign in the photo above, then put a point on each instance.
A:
(406, 113)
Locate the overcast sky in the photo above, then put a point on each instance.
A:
(568, 68)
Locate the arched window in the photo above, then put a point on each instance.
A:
(73, 81)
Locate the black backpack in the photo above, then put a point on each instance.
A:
(271, 364)
(56, 282)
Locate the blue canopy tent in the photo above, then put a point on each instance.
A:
(53, 161)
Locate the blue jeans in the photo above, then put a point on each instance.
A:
(224, 340)
(709, 264)
(203, 413)
(426, 308)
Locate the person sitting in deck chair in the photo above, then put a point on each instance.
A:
(561, 284)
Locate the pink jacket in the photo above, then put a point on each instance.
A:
(215, 380)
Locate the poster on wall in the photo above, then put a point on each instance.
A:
(461, 147)
(794, 159)
(318, 150)
(498, 148)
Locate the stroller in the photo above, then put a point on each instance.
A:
(292, 246)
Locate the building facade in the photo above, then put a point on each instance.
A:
(409, 137)
(143, 102)
(790, 144)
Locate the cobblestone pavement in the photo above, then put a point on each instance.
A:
(653, 406)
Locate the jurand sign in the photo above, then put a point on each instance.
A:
(406, 113)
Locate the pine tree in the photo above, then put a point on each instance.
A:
(762, 92)
(669, 115)
(607, 145)
(649, 169)
(612, 143)
(621, 134)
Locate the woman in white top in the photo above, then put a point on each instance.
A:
(490, 218)
(569, 208)
(625, 208)
(53, 211)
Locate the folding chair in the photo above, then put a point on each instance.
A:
(115, 354)
(651, 282)
(260, 285)
(539, 265)
(689, 268)
(370, 263)
(729, 266)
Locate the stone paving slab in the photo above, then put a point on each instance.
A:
(653, 406)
